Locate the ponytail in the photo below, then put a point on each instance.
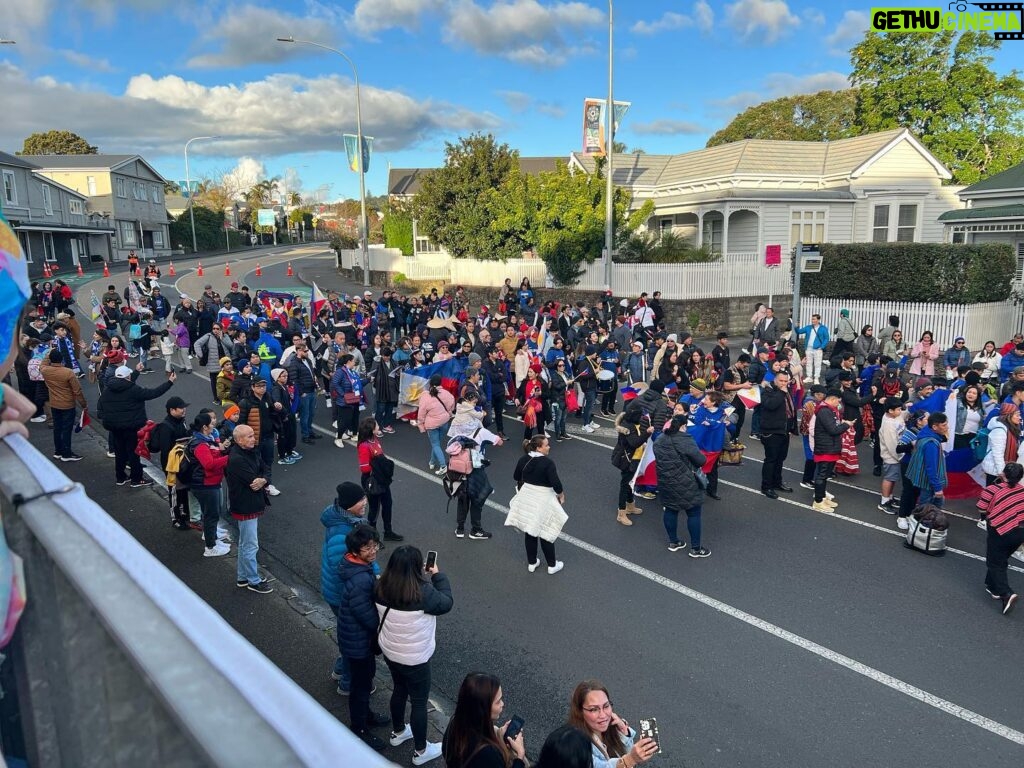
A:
(435, 382)
(534, 443)
(433, 391)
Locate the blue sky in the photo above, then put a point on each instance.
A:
(146, 75)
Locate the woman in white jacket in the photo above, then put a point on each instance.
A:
(409, 599)
(991, 358)
(1004, 435)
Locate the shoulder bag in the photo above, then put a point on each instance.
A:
(375, 643)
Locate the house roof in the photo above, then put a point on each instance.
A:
(406, 181)
(87, 162)
(1012, 179)
(992, 212)
(20, 162)
(759, 157)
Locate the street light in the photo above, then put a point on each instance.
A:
(364, 233)
(5, 41)
(609, 205)
(188, 187)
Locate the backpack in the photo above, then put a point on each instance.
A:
(979, 444)
(181, 463)
(460, 459)
(204, 345)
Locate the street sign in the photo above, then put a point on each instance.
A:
(810, 257)
(265, 217)
(188, 189)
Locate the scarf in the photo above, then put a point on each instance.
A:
(891, 385)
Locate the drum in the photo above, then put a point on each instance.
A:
(732, 455)
(604, 374)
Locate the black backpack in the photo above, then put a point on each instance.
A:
(188, 464)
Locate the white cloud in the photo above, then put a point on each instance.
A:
(667, 127)
(701, 17)
(248, 35)
(244, 176)
(106, 10)
(280, 114)
(848, 31)
(288, 183)
(762, 20)
(813, 16)
(372, 16)
(777, 85)
(520, 103)
(523, 31)
(87, 62)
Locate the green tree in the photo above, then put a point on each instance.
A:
(209, 230)
(397, 227)
(452, 208)
(57, 143)
(822, 116)
(942, 87)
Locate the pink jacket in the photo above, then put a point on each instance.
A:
(435, 412)
(922, 360)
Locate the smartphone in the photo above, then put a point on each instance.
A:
(649, 730)
(515, 725)
(431, 560)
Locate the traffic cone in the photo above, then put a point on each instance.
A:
(170, 270)
(80, 272)
(227, 269)
(138, 271)
(199, 271)
(259, 272)
(290, 272)
(46, 270)
(106, 269)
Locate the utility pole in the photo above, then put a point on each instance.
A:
(609, 206)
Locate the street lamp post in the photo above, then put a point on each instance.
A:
(364, 231)
(609, 205)
(188, 187)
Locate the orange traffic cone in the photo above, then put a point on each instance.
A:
(46, 270)
(138, 271)
(170, 270)
(227, 269)
(290, 272)
(199, 271)
(80, 272)
(259, 272)
(106, 270)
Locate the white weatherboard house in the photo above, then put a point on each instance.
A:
(740, 197)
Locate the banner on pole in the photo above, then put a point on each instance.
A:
(594, 111)
(265, 217)
(94, 306)
(351, 141)
(773, 255)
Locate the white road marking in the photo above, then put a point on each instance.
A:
(792, 638)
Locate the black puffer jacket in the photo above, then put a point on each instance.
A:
(828, 432)
(123, 402)
(775, 419)
(677, 455)
(653, 404)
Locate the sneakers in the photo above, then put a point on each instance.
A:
(72, 457)
(1018, 555)
(263, 587)
(700, 552)
(217, 550)
(388, 430)
(831, 503)
(344, 691)
(1008, 603)
(593, 425)
(195, 525)
(392, 536)
(647, 495)
(143, 483)
(588, 429)
(983, 524)
(339, 443)
(992, 594)
(676, 546)
(888, 507)
(295, 455)
(432, 752)
(808, 486)
(111, 455)
(479, 534)
(566, 437)
(273, 491)
(531, 567)
(553, 569)
(397, 739)
(37, 419)
(460, 533)
(441, 471)
(241, 583)
(903, 523)
(821, 506)
(287, 460)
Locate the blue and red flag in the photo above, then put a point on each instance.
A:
(416, 381)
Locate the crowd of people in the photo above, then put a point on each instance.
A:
(674, 409)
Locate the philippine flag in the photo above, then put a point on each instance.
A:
(963, 479)
(751, 396)
(317, 301)
(646, 472)
(415, 381)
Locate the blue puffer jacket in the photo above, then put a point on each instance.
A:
(338, 523)
(357, 613)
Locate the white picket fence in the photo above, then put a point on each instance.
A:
(977, 323)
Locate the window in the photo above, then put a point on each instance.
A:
(127, 233)
(139, 190)
(48, 252)
(155, 192)
(880, 226)
(666, 225)
(906, 224)
(1018, 274)
(807, 227)
(121, 191)
(90, 183)
(958, 238)
(47, 201)
(26, 246)
(158, 238)
(75, 206)
(10, 188)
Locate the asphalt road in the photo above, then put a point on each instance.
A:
(805, 639)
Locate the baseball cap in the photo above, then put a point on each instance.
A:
(123, 372)
(176, 402)
(234, 285)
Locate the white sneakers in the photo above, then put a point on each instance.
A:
(903, 523)
(559, 565)
(217, 550)
(432, 752)
(339, 443)
(531, 567)
(400, 738)
(587, 428)
(273, 491)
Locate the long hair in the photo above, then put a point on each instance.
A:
(566, 747)
(367, 430)
(471, 728)
(963, 397)
(534, 443)
(611, 739)
(401, 585)
(435, 382)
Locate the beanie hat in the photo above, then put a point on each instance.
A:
(892, 365)
(591, 349)
(658, 386)
(223, 360)
(923, 382)
(230, 411)
(474, 358)
(834, 392)
(276, 373)
(1007, 409)
(817, 389)
(349, 494)
(123, 372)
(699, 384)
(672, 337)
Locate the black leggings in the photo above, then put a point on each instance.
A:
(625, 492)
(531, 550)
(823, 470)
(347, 417)
(380, 504)
(412, 684)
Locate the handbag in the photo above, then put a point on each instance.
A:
(352, 398)
(375, 642)
(700, 478)
(572, 402)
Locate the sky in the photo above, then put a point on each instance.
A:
(145, 76)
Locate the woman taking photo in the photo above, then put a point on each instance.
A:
(347, 395)
(991, 360)
(472, 739)
(613, 742)
(376, 470)
(561, 382)
(409, 599)
(532, 399)
(895, 347)
(211, 461)
(436, 407)
(1003, 507)
(923, 356)
(536, 509)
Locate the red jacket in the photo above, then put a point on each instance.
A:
(213, 464)
(367, 450)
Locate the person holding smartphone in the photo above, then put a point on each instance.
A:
(614, 743)
(472, 739)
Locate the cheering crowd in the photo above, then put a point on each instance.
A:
(677, 412)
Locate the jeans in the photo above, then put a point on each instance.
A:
(266, 447)
(412, 683)
(589, 398)
(558, 413)
(380, 505)
(775, 449)
(548, 548)
(436, 435)
(928, 497)
(63, 424)
(997, 555)
(248, 546)
(307, 410)
(383, 413)
(755, 422)
(671, 522)
(208, 497)
(363, 671)
(812, 365)
(125, 440)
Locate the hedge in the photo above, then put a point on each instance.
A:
(920, 272)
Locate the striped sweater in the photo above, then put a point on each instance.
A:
(1003, 507)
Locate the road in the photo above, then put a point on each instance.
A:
(805, 639)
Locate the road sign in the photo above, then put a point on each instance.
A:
(187, 190)
(810, 257)
(265, 217)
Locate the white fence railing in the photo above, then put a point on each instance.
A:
(978, 323)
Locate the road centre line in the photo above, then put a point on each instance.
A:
(839, 659)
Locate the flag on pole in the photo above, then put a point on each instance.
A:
(751, 396)
(415, 381)
(351, 141)
(317, 301)
(646, 471)
(134, 297)
(594, 118)
(83, 421)
(94, 306)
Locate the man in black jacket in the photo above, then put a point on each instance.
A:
(302, 373)
(778, 418)
(495, 373)
(247, 480)
(122, 411)
(257, 411)
(161, 440)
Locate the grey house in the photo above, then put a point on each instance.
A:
(53, 221)
(124, 188)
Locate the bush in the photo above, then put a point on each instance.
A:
(670, 248)
(919, 272)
